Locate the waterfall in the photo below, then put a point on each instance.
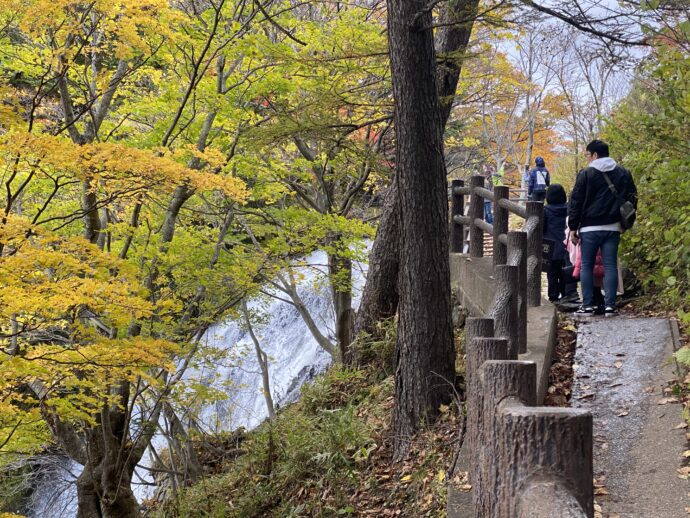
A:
(294, 358)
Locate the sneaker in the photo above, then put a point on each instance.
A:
(586, 312)
(610, 311)
(573, 298)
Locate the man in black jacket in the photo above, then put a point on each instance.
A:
(594, 220)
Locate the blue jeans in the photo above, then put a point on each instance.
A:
(591, 242)
(488, 215)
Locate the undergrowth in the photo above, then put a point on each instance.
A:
(329, 454)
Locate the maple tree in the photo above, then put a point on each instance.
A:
(139, 149)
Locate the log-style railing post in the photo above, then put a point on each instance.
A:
(544, 443)
(505, 307)
(457, 209)
(501, 192)
(500, 380)
(535, 224)
(517, 256)
(474, 328)
(478, 351)
(476, 212)
(540, 464)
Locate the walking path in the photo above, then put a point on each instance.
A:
(622, 366)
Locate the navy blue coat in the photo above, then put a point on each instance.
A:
(533, 185)
(554, 228)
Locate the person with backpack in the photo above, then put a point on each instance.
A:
(602, 206)
(539, 180)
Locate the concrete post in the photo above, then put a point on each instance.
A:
(476, 212)
(501, 192)
(457, 209)
(479, 350)
(505, 306)
(535, 211)
(517, 256)
(500, 380)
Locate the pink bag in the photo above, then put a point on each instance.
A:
(577, 262)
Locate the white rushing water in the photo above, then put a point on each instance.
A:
(294, 358)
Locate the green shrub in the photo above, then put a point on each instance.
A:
(649, 133)
(316, 446)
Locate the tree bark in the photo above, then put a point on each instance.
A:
(262, 359)
(380, 295)
(425, 351)
(340, 276)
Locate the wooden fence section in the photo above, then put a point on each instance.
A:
(525, 461)
(532, 212)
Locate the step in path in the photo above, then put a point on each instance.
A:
(622, 366)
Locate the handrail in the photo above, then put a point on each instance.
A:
(473, 220)
(520, 453)
(513, 207)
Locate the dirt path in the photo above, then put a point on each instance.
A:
(622, 366)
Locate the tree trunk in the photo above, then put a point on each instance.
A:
(380, 295)
(425, 352)
(457, 19)
(340, 277)
(262, 359)
(104, 486)
(89, 504)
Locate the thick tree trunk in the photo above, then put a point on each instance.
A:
(89, 505)
(457, 19)
(92, 221)
(425, 352)
(104, 486)
(380, 294)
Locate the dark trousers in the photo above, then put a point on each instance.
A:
(556, 279)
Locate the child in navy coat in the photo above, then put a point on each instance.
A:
(555, 213)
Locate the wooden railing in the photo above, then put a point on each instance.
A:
(532, 212)
(524, 460)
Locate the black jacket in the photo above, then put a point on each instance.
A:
(593, 203)
(554, 228)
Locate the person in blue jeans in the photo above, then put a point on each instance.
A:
(594, 221)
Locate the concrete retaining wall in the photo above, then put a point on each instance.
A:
(473, 285)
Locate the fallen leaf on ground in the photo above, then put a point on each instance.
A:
(680, 426)
(649, 389)
(686, 453)
(684, 472)
(618, 364)
(466, 487)
(601, 491)
(666, 400)
(623, 413)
